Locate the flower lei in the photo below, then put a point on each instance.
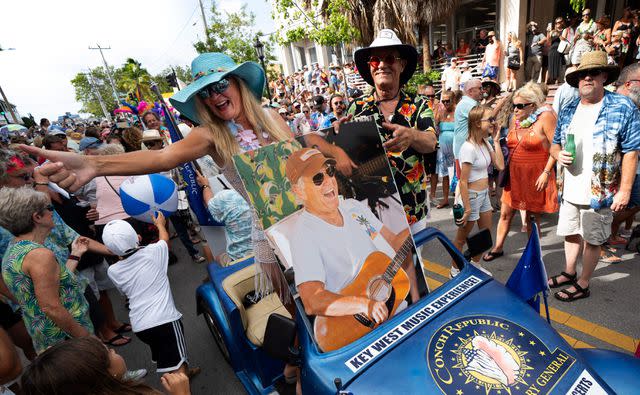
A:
(531, 119)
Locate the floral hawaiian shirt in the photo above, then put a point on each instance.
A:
(43, 331)
(407, 166)
(615, 134)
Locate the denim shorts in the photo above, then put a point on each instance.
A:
(480, 203)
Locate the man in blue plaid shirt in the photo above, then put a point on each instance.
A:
(598, 180)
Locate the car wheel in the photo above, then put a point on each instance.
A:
(215, 332)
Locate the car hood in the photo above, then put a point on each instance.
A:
(482, 339)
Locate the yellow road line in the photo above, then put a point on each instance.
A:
(599, 332)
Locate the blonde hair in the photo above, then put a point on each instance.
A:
(532, 92)
(475, 130)
(514, 38)
(225, 144)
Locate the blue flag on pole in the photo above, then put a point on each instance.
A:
(529, 277)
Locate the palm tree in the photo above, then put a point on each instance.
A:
(135, 79)
(403, 16)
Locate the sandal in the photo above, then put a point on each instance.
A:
(442, 205)
(491, 255)
(124, 328)
(571, 296)
(555, 283)
(112, 342)
(610, 258)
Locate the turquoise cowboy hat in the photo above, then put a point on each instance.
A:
(209, 68)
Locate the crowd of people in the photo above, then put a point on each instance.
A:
(66, 239)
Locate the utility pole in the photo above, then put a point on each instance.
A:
(106, 66)
(96, 92)
(204, 21)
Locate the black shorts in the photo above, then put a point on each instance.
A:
(168, 348)
(8, 317)
(430, 161)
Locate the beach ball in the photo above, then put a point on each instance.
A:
(143, 196)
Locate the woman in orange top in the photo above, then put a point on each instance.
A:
(533, 184)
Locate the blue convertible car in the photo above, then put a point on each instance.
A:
(469, 336)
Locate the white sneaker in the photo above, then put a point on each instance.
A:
(482, 269)
(454, 272)
(134, 375)
(625, 233)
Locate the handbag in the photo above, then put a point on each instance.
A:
(513, 63)
(563, 47)
(504, 177)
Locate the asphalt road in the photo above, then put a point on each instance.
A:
(599, 320)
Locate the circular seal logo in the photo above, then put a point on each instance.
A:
(493, 355)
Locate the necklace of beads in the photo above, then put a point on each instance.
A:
(530, 120)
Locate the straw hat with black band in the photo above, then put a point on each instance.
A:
(594, 60)
(387, 38)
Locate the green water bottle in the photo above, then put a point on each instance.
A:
(570, 146)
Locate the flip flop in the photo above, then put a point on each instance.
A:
(491, 255)
(442, 205)
(124, 328)
(571, 296)
(112, 342)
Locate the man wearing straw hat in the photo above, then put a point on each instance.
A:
(598, 180)
(405, 123)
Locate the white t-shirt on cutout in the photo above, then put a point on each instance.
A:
(334, 255)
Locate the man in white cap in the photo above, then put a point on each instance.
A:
(405, 122)
(598, 178)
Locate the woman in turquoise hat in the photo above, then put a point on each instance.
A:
(224, 98)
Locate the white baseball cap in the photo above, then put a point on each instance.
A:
(120, 237)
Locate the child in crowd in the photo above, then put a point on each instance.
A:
(141, 274)
(230, 208)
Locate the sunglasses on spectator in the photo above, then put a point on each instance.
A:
(430, 96)
(318, 179)
(215, 88)
(374, 61)
(49, 207)
(590, 73)
(150, 144)
(306, 111)
(446, 101)
(25, 176)
(490, 119)
(338, 103)
(521, 106)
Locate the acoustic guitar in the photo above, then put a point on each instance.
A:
(381, 279)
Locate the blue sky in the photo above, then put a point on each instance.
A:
(52, 39)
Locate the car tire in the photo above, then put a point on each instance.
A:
(214, 328)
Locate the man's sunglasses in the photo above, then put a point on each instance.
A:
(318, 179)
(215, 88)
(521, 106)
(374, 61)
(431, 96)
(590, 73)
